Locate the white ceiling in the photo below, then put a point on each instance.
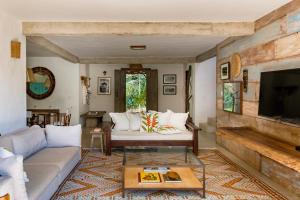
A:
(140, 10)
(118, 46)
(136, 10)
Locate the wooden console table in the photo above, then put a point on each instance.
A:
(93, 118)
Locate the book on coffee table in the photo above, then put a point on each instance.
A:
(162, 170)
(149, 177)
(172, 177)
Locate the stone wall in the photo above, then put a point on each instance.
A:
(275, 46)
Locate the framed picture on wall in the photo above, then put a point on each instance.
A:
(225, 71)
(169, 79)
(104, 86)
(169, 89)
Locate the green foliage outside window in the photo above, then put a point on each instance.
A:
(136, 92)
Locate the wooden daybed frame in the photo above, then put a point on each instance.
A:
(151, 143)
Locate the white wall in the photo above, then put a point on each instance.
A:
(106, 102)
(83, 71)
(66, 93)
(12, 76)
(204, 91)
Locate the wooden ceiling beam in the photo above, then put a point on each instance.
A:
(137, 28)
(277, 14)
(140, 60)
(207, 55)
(43, 42)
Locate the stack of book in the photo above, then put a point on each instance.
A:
(153, 175)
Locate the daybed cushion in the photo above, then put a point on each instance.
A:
(64, 158)
(178, 120)
(120, 120)
(136, 135)
(44, 181)
(134, 121)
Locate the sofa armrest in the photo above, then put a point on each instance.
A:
(6, 187)
(195, 130)
(192, 127)
(107, 128)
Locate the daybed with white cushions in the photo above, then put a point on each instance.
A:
(49, 154)
(125, 130)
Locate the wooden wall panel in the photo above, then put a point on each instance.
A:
(293, 20)
(259, 54)
(253, 92)
(264, 35)
(274, 47)
(287, 46)
(250, 108)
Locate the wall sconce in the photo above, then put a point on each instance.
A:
(29, 75)
(104, 73)
(15, 48)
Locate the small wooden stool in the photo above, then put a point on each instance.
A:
(97, 134)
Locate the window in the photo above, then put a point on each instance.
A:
(136, 92)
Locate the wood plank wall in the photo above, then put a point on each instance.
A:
(275, 46)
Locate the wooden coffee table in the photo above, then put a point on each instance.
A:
(186, 165)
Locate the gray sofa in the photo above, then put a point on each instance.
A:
(47, 164)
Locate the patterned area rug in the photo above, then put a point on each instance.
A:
(99, 177)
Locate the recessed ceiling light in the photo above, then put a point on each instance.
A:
(138, 47)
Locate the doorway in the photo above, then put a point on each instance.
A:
(136, 90)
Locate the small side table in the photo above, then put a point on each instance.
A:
(97, 133)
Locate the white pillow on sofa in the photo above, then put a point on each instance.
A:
(13, 167)
(178, 120)
(29, 141)
(121, 121)
(134, 121)
(163, 117)
(63, 136)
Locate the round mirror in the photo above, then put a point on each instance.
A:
(42, 83)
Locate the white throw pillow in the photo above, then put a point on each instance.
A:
(29, 141)
(63, 136)
(167, 130)
(120, 120)
(178, 120)
(13, 167)
(4, 153)
(163, 117)
(134, 121)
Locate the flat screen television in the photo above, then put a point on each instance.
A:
(280, 95)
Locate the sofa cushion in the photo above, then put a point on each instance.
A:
(6, 140)
(136, 135)
(53, 156)
(29, 141)
(13, 167)
(63, 136)
(44, 181)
